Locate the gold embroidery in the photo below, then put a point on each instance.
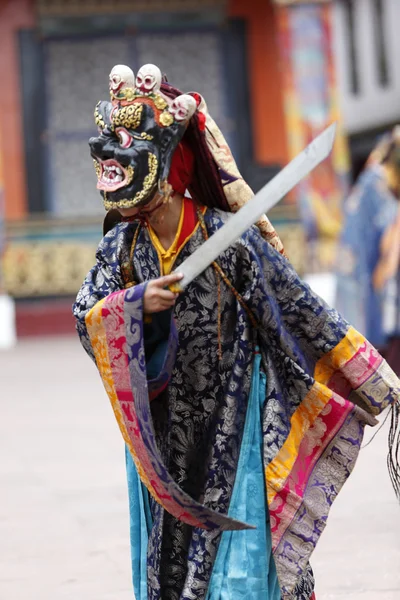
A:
(98, 118)
(97, 168)
(130, 172)
(160, 102)
(166, 119)
(125, 94)
(128, 116)
(146, 136)
(149, 180)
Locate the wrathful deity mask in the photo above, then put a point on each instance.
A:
(139, 130)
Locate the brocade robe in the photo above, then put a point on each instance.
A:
(323, 383)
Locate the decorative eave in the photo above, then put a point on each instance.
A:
(73, 8)
(297, 2)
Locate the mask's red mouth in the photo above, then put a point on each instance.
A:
(112, 175)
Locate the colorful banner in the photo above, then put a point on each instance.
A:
(311, 104)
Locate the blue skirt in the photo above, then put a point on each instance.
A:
(244, 566)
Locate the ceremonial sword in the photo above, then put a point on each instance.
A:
(257, 206)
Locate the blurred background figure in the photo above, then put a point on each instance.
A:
(368, 254)
(387, 277)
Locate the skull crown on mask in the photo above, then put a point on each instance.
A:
(139, 131)
(148, 80)
(121, 80)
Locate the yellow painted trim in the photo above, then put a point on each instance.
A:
(165, 256)
(176, 238)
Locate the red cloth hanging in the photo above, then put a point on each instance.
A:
(182, 166)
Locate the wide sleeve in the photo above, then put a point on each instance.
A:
(103, 279)
(298, 326)
(325, 382)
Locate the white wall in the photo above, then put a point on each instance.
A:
(374, 105)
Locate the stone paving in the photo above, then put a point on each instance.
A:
(63, 503)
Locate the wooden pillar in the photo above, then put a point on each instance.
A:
(268, 120)
(14, 15)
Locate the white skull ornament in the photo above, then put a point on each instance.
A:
(121, 77)
(148, 80)
(183, 108)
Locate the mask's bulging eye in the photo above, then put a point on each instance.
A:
(124, 138)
